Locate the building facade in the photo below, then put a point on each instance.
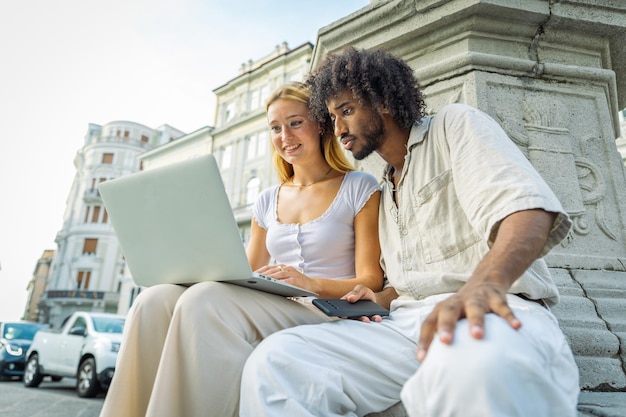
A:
(37, 285)
(241, 142)
(88, 271)
(184, 147)
(85, 273)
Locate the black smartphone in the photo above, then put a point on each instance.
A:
(344, 308)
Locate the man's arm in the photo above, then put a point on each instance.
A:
(519, 241)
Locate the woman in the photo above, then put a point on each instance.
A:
(184, 348)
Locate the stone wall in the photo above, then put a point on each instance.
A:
(553, 74)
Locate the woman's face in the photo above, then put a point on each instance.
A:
(295, 136)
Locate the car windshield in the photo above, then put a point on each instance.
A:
(26, 331)
(108, 324)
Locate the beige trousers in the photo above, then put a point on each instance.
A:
(184, 349)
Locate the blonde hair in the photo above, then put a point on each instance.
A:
(331, 150)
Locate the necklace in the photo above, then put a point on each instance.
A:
(314, 182)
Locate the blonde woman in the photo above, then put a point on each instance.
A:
(184, 348)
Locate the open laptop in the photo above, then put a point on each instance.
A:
(175, 225)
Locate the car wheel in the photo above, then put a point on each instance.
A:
(87, 385)
(32, 376)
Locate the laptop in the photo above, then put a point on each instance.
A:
(175, 225)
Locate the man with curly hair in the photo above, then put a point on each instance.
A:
(465, 220)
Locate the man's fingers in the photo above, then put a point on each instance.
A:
(503, 310)
(441, 321)
(429, 326)
(475, 312)
(449, 313)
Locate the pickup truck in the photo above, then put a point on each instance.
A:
(84, 348)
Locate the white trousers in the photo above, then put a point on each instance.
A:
(184, 349)
(350, 368)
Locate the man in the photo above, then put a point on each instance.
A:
(464, 222)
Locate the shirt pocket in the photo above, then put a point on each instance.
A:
(444, 227)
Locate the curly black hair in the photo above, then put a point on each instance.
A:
(375, 77)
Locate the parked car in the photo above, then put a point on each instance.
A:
(15, 339)
(84, 348)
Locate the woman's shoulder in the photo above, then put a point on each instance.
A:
(358, 188)
(362, 177)
(269, 191)
(266, 197)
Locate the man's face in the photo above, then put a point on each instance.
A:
(359, 127)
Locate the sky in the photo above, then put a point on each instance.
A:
(67, 63)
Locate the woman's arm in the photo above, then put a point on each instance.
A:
(256, 250)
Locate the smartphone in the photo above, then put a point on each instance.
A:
(344, 308)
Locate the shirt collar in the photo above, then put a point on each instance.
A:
(418, 132)
(416, 136)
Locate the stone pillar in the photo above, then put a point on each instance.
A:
(553, 74)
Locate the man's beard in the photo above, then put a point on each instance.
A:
(372, 135)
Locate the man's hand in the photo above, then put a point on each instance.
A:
(519, 241)
(473, 302)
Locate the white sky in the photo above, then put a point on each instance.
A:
(67, 63)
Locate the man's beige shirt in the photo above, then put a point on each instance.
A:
(461, 177)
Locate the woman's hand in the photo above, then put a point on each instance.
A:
(361, 292)
(290, 275)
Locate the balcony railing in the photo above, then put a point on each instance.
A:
(89, 295)
(92, 194)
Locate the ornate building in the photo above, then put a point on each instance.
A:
(86, 270)
(241, 137)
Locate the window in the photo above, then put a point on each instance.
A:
(293, 76)
(82, 280)
(144, 139)
(133, 294)
(254, 100)
(264, 94)
(95, 215)
(252, 190)
(256, 145)
(126, 133)
(262, 144)
(227, 155)
(90, 246)
(229, 111)
(79, 323)
(252, 147)
(105, 216)
(107, 158)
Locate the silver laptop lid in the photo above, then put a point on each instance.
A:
(175, 224)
